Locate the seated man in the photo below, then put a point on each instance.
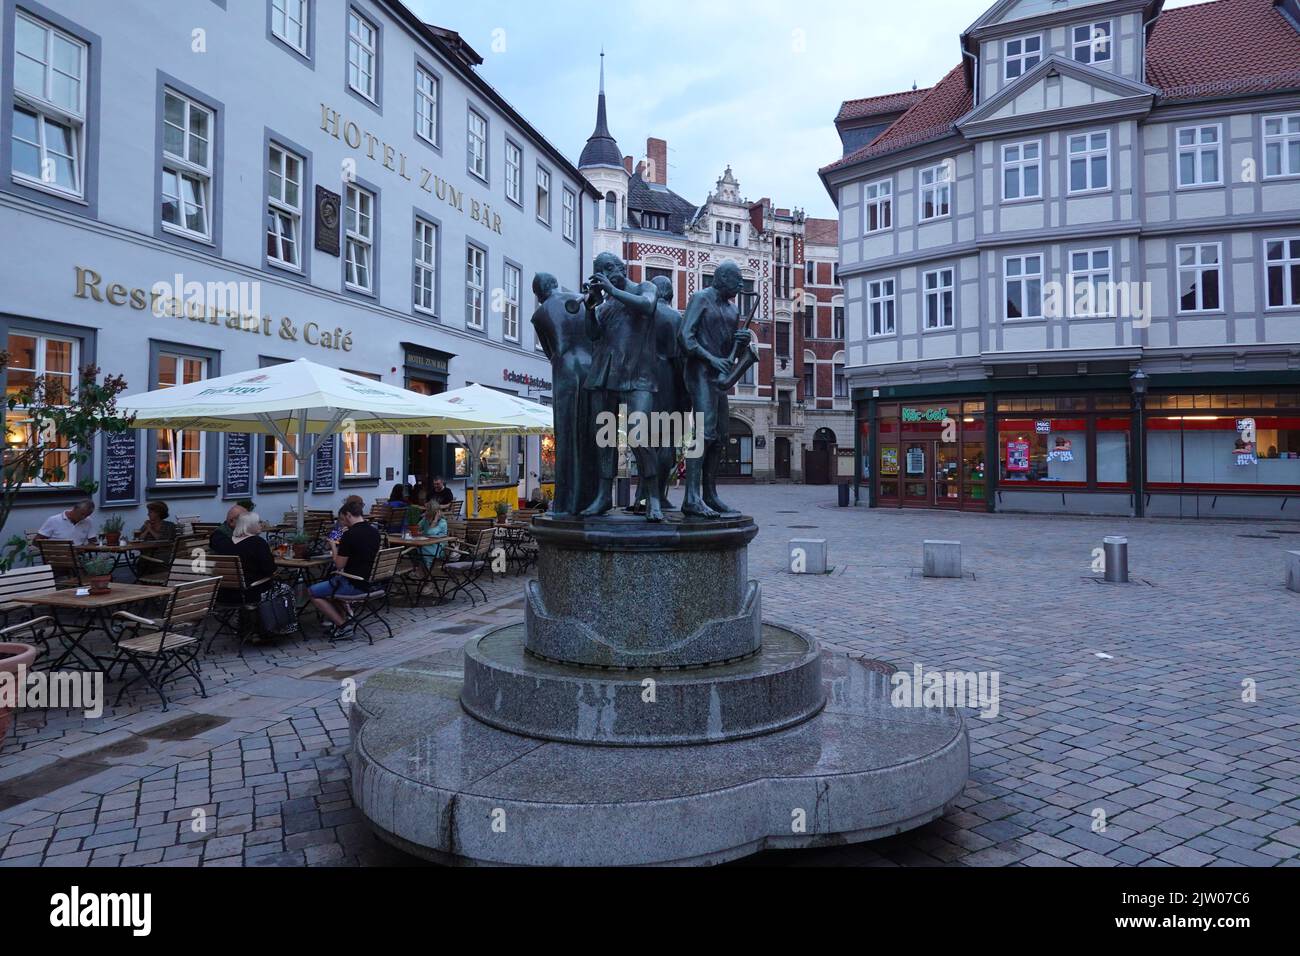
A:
(353, 554)
(439, 493)
(220, 542)
(71, 525)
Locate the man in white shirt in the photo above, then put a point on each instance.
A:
(71, 525)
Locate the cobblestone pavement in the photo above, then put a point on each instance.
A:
(1118, 703)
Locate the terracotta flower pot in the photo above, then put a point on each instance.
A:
(414, 530)
(12, 657)
(113, 538)
(99, 583)
(300, 550)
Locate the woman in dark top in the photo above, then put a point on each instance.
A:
(156, 528)
(254, 554)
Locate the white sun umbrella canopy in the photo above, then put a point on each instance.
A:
(300, 398)
(475, 413)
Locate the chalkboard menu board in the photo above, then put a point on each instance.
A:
(323, 466)
(237, 467)
(120, 481)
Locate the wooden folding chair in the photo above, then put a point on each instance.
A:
(19, 620)
(370, 605)
(236, 602)
(166, 648)
(62, 557)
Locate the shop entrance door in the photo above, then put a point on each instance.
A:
(917, 456)
(947, 475)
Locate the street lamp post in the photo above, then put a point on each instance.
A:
(1139, 382)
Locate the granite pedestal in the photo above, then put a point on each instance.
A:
(643, 713)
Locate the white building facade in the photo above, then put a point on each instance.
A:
(238, 184)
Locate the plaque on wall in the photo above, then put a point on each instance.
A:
(237, 467)
(323, 470)
(327, 220)
(119, 482)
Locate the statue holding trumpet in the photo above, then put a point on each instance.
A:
(719, 351)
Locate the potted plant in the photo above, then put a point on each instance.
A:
(113, 529)
(99, 570)
(502, 509)
(301, 544)
(413, 515)
(13, 657)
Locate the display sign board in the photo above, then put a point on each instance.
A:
(120, 478)
(916, 460)
(1017, 455)
(889, 461)
(237, 467)
(323, 466)
(1043, 426)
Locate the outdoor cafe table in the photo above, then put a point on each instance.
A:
(413, 546)
(302, 570)
(98, 608)
(126, 551)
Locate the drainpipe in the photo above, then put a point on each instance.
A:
(975, 74)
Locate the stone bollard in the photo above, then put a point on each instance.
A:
(808, 555)
(941, 559)
(1115, 548)
(1293, 570)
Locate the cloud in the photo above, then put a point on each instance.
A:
(752, 84)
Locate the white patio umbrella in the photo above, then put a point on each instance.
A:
(475, 413)
(294, 398)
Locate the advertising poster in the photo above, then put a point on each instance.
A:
(1062, 450)
(916, 460)
(1017, 456)
(889, 461)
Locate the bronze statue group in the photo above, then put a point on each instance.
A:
(619, 346)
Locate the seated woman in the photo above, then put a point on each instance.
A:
(254, 554)
(432, 525)
(155, 528)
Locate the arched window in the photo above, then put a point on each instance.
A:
(611, 211)
(824, 438)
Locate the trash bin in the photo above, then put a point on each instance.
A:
(844, 496)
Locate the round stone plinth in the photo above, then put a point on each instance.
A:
(620, 591)
(438, 783)
(509, 688)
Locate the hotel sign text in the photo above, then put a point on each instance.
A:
(396, 161)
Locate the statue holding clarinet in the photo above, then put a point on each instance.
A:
(614, 357)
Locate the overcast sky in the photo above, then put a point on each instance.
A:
(751, 83)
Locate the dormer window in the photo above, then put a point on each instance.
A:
(1021, 55)
(1091, 42)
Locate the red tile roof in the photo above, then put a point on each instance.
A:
(1221, 48)
(821, 232)
(930, 118)
(1224, 48)
(878, 105)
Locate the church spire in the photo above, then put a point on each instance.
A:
(601, 148)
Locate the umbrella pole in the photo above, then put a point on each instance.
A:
(302, 468)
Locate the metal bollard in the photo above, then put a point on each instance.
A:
(1116, 549)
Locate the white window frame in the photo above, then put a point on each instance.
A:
(939, 185)
(363, 46)
(14, 416)
(882, 308)
(178, 435)
(428, 100)
(1199, 267)
(1024, 278)
(425, 267)
(475, 286)
(543, 195)
(185, 170)
(1091, 273)
(934, 298)
(879, 200)
(1091, 43)
(569, 214)
(511, 283)
(1087, 155)
(283, 8)
(359, 238)
(1287, 134)
(1020, 166)
(1022, 58)
(1288, 262)
(355, 449)
(515, 173)
(476, 143)
(285, 464)
(1198, 147)
(49, 113)
(284, 218)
